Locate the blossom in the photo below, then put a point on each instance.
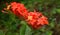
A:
(18, 9)
(36, 20)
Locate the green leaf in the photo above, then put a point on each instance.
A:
(25, 30)
(42, 29)
(48, 33)
(52, 24)
(22, 30)
(12, 33)
(9, 33)
(53, 11)
(28, 31)
(1, 32)
(58, 10)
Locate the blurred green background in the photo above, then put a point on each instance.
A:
(12, 25)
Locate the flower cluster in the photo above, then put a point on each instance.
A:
(18, 9)
(34, 19)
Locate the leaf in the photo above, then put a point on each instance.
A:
(42, 29)
(1, 32)
(48, 33)
(11, 33)
(58, 10)
(52, 24)
(53, 11)
(22, 30)
(28, 31)
(25, 30)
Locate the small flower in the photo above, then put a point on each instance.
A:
(8, 7)
(29, 17)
